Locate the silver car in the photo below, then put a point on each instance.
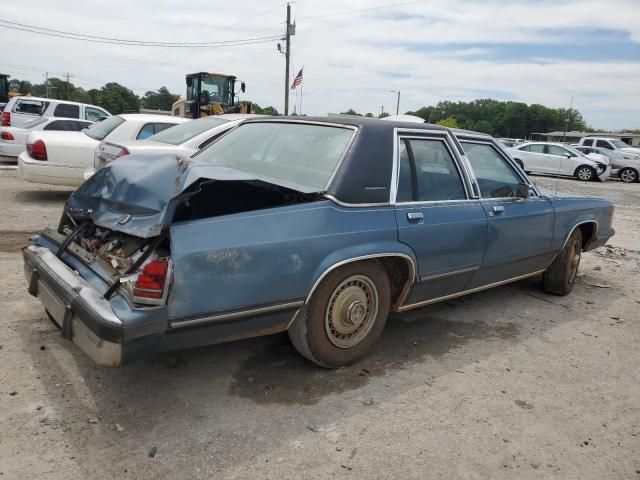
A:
(626, 169)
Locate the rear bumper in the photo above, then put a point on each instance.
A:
(48, 172)
(11, 149)
(85, 317)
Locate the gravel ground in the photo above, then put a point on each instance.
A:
(508, 383)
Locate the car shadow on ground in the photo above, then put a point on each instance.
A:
(42, 196)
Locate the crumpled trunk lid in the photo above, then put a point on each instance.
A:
(138, 194)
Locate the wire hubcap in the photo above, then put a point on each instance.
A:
(351, 311)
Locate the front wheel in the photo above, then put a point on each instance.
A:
(345, 315)
(585, 173)
(629, 175)
(561, 275)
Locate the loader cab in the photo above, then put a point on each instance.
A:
(209, 93)
(4, 90)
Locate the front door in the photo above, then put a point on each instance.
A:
(437, 217)
(520, 230)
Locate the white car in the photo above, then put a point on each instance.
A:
(611, 144)
(21, 110)
(558, 159)
(626, 169)
(13, 140)
(183, 140)
(61, 158)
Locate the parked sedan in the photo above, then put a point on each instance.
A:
(61, 158)
(626, 169)
(13, 140)
(319, 227)
(558, 159)
(183, 140)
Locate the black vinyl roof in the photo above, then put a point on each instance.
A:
(364, 176)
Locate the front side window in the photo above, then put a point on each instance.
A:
(557, 151)
(94, 114)
(289, 152)
(496, 178)
(67, 110)
(588, 142)
(427, 172)
(604, 144)
(31, 107)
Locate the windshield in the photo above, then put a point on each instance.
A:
(619, 144)
(290, 153)
(186, 131)
(610, 153)
(98, 131)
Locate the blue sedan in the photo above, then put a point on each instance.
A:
(318, 227)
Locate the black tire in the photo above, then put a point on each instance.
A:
(628, 175)
(585, 173)
(318, 332)
(51, 319)
(561, 275)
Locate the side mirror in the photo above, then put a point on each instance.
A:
(568, 155)
(523, 190)
(243, 86)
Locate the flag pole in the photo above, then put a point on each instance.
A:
(301, 97)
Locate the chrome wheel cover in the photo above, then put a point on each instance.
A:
(351, 311)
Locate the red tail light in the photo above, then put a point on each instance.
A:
(37, 150)
(6, 119)
(151, 281)
(6, 136)
(122, 153)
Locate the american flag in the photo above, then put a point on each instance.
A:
(297, 81)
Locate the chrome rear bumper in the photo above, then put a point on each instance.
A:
(85, 317)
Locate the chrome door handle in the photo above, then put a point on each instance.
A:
(498, 209)
(415, 217)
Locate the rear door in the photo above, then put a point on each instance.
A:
(437, 214)
(519, 230)
(538, 160)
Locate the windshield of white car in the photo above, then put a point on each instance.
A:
(619, 144)
(99, 130)
(289, 153)
(610, 153)
(34, 123)
(186, 131)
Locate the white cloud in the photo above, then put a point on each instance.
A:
(427, 50)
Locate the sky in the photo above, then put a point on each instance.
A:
(355, 53)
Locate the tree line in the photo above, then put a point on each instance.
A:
(113, 97)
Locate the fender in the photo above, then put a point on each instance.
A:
(364, 252)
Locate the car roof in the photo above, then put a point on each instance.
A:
(150, 117)
(43, 99)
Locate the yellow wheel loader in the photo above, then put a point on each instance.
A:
(210, 94)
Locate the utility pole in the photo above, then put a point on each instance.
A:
(566, 123)
(381, 111)
(68, 76)
(291, 30)
(397, 102)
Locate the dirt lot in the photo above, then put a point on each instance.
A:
(509, 383)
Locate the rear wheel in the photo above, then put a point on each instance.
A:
(629, 175)
(561, 275)
(585, 173)
(345, 315)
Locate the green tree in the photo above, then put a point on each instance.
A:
(270, 110)
(351, 111)
(450, 122)
(368, 115)
(116, 99)
(163, 99)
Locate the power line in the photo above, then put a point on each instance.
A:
(127, 42)
(360, 10)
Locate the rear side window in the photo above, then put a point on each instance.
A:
(67, 110)
(427, 172)
(31, 107)
(67, 125)
(151, 129)
(588, 142)
(537, 148)
(603, 144)
(496, 178)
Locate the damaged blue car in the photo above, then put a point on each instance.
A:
(318, 227)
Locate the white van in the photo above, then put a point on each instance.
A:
(21, 110)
